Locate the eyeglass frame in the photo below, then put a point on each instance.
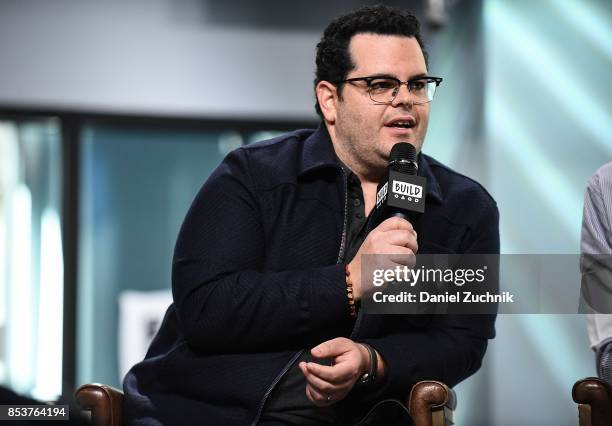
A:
(369, 79)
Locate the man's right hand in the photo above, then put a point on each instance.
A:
(395, 238)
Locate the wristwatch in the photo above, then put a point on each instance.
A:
(370, 376)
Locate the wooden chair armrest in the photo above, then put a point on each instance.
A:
(432, 403)
(594, 399)
(104, 402)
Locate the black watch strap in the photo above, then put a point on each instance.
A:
(370, 376)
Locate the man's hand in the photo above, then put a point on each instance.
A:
(326, 385)
(394, 236)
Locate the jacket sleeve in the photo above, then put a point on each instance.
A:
(452, 347)
(223, 298)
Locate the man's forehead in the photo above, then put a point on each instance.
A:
(371, 36)
(369, 50)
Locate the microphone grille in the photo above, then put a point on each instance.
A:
(402, 151)
(403, 158)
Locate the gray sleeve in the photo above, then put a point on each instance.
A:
(596, 235)
(604, 361)
(596, 258)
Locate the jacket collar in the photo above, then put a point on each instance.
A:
(433, 187)
(318, 153)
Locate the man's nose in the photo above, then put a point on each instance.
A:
(403, 96)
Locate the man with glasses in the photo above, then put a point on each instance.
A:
(266, 327)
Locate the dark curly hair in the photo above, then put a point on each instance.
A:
(333, 56)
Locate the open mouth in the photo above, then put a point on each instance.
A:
(402, 123)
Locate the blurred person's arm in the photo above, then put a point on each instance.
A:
(596, 267)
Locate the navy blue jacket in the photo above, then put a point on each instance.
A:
(256, 278)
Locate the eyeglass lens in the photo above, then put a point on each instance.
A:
(384, 90)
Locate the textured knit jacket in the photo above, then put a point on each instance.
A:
(258, 276)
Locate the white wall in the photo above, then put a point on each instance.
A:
(152, 57)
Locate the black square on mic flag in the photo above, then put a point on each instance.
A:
(406, 191)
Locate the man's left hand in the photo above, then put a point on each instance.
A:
(325, 384)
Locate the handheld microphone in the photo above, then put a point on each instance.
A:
(401, 193)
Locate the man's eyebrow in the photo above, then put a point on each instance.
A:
(384, 75)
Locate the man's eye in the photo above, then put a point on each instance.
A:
(418, 85)
(380, 85)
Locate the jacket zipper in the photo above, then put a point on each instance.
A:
(276, 380)
(339, 260)
(343, 243)
(345, 220)
(343, 248)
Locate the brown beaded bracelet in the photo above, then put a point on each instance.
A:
(349, 292)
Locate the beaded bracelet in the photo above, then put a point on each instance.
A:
(349, 292)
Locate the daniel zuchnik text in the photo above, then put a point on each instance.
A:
(426, 297)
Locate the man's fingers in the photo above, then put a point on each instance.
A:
(399, 237)
(402, 238)
(322, 371)
(324, 382)
(390, 256)
(394, 223)
(317, 398)
(331, 348)
(407, 258)
(336, 374)
(320, 385)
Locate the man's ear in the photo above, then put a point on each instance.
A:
(327, 95)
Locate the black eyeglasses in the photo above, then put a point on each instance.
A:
(384, 89)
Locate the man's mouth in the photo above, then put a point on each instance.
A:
(402, 123)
